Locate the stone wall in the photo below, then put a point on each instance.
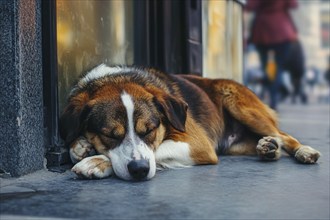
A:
(21, 108)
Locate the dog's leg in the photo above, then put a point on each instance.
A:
(94, 167)
(80, 149)
(302, 153)
(269, 147)
(245, 107)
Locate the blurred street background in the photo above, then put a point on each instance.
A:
(311, 60)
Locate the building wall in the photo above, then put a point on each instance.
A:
(21, 109)
(222, 39)
(307, 18)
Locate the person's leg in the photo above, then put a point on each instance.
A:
(263, 57)
(281, 51)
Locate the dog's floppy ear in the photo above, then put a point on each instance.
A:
(74, 114)
(174, 109)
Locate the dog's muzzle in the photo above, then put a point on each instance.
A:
(138, 169)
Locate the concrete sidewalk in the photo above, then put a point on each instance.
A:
(236, 188)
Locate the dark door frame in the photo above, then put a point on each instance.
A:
(169, 35)
(55, 153)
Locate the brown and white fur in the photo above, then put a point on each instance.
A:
(130, 121)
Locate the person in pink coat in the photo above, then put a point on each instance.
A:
(272, 32)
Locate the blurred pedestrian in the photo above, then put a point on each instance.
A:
(272, 32)
(312, 78)
(327, 72)
(295, 65)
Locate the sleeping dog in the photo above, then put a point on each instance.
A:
(129, 121)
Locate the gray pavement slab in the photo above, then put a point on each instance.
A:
(239, 187)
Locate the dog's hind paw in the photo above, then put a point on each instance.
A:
(306, 154)
(268, 148)
(95, 167)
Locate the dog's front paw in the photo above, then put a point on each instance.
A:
(80, 149)
(306, 154)
(268, 148)
(95, 167)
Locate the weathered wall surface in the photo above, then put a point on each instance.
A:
(21, 108)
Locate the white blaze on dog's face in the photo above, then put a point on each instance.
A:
(133, 151)
(127, 129)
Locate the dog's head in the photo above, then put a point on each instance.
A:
(125, 123)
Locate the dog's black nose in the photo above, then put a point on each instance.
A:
(138, 169)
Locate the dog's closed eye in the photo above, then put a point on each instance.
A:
(112, 134)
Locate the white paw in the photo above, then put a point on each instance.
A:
(80, 149)
(306, 154)
(94, 167)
